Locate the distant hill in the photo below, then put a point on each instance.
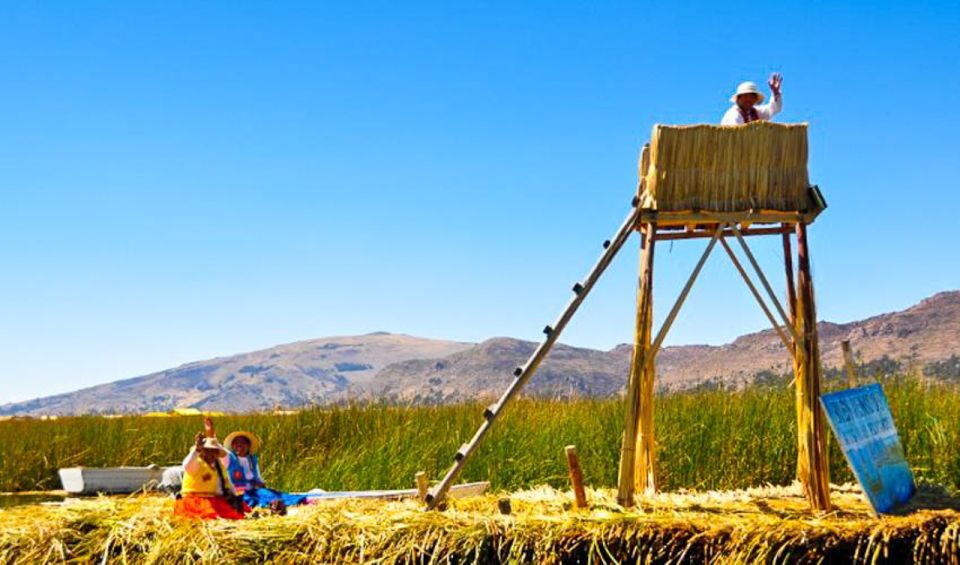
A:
(409, 369)
(292, 375)
(486, 369)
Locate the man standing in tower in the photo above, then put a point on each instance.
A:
(747, 105)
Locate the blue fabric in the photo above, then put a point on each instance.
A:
(253, 495)
(237, 476)
(264, 496)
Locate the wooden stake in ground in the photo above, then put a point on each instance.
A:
(576, 477)
(423, 485)
(848, 363)
(811, 437)
(639, 412)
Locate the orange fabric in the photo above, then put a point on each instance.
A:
(205, 508)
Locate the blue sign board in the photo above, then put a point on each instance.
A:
(861, 420)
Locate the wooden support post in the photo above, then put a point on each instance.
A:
(636, 404)
(811, 437)
(423, 485)
(849, 364)
(788, 268)
(576, 477)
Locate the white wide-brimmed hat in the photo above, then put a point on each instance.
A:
(747, 88)
(212, 443)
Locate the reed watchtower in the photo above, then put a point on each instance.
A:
(721, 184)
(728, 183)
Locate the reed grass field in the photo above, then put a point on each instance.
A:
(707, 439)
(722, 455)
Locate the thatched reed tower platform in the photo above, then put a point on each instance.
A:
(717, 183)
(728, 183)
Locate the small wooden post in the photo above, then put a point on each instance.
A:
(639, 398)
(848, 363)
(423, 485)
(576, 477)
(811, 436)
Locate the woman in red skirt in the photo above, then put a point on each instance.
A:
(207, 492)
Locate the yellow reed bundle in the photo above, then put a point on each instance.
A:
(761, 166)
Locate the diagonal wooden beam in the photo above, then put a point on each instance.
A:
(756, 294)
(766, 284)
(662, 334)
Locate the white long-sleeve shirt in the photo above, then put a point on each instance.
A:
(765, 112)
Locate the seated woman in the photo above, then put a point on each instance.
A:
(244, 468)
(206, 492)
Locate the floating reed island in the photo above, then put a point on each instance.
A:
(770, 524)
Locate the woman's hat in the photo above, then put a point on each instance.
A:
(251, 437)
(747, 88)
(212, 443)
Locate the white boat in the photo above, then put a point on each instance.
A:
(110, 480)
(456, 491)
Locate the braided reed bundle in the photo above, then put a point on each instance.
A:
(761, 165)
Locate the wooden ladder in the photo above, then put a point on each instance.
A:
(523, 373)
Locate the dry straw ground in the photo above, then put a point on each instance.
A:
(770, 524)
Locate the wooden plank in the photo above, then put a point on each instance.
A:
(626, 474)
(756, 294)
(791, 293)
(456, 491)
(788, 270)
(684, 217)
(849, 364)
(703, 234)
(576, 477)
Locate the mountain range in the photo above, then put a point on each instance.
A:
(401, 368)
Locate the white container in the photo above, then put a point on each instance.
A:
(110, 480)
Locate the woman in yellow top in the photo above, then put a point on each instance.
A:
(207, 492)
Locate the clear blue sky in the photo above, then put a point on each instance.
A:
(187, 180)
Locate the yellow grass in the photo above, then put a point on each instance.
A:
(771, 524)
(760, 166)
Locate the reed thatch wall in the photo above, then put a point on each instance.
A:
(760, 166)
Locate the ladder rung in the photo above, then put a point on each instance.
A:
(577, 288)
(518, 371)
(461, 453)
(606, 243)
(489, 412)
(547, 330)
